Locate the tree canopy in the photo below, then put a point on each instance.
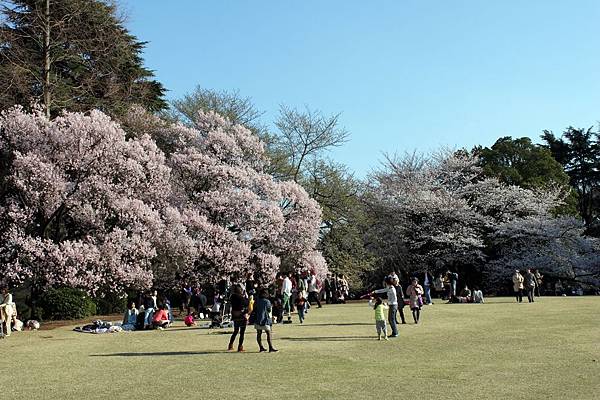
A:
(72, 55)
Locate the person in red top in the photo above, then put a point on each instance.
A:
(161, 318)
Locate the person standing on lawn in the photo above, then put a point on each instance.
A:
(263, 320)
(427, 283)
(538, 282)
(414, 292)
(239, 315)
(530, 283)
(392, 301)
(400, 297)
(7, 309)
(453, 279)
(380, 324)
(286, 294)
(518, 280)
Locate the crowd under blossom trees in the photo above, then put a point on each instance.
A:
(86, 202)
(443, 212)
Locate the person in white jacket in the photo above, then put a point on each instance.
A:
(392, 300)
(286, 294)
(7, 309)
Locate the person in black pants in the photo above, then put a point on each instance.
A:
(400, 296)
(530, 283)
(239, 314)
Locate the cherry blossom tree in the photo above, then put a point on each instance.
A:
(442, 208)
(237, 218)
(101, 206)
(556, 246)
(79, 202)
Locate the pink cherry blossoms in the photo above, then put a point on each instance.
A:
(88, 203)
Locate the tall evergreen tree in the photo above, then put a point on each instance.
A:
(578, 150)
(72, 54)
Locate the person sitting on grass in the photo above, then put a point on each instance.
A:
(130, 317)
(380, 324)
(415, 291)
(465, 295)
(189, 320)
(161, 318)
(263, 320)
(477, 295)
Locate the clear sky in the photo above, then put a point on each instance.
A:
(406, 74)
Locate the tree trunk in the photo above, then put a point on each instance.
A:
(47, 58)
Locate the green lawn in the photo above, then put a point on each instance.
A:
(500, 350)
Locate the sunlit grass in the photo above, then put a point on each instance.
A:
(500, 350)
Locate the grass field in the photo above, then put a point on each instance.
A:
(500, 350)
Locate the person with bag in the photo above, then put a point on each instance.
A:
(239, 315)
(415, 293)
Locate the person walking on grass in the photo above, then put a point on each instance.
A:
(286, 295)
(530, 283)
(263, 320)
(380, 324)
(314, 290)
(239, 315)
(300, 306)
(392, 301)
(414, 292)
(518, 280)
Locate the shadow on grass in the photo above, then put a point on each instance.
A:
(163, 353)
(342, 324)
(327, 338)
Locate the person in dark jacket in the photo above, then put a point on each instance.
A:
(427, 280)
(239, 315)
(400, 297)
(530, 283)
(263, 320)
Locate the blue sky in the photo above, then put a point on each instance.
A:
(406, 75)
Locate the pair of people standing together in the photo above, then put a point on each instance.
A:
(395, 303)
(260, 315)
(527, 282)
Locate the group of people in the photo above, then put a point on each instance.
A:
(395, 304)
(530, 282)
(154, 313)
(417, 296)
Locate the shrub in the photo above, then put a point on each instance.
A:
(67, 303)
(110, 304)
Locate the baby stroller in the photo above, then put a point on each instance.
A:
(220, 314)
